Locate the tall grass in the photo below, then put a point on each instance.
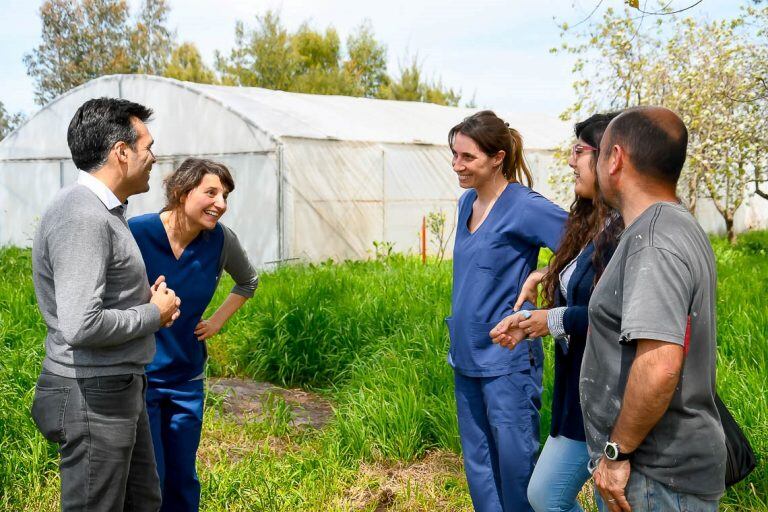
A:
(370, 336)
(370, 333)
(26, 461)
(742, 335)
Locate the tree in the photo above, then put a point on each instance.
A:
(314, 62)
(367, 62)
(261, 57)
(410, 87)
(80, 41)
(713, 92)
(186, 64)
(615, 58)
(436, 222)
(151, 41)
(756, 22)
(8, 122)
(699, 70)
(318, 59)
(86, 39)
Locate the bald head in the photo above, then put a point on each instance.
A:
(654, 138)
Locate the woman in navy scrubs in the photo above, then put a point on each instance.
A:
(502, 226)
(186, 243)
(588, 242)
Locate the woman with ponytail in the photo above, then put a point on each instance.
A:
(588, 242)
(502, 226)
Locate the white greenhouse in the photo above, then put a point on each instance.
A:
(316, 177)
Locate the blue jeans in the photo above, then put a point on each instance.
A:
(647, 495)
(176, 420)
(499, 431)
(559, 475)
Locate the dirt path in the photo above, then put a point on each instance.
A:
(248, 398)
(436, 482)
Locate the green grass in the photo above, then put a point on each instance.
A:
(370, 337)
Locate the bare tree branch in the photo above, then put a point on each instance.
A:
(664, 12)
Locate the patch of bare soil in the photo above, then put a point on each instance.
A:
(244, 398)
(415, 486)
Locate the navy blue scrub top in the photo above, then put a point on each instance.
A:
(180, 357)
(489, 268)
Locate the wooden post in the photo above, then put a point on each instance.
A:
(424, 240)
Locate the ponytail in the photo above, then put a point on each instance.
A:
(492, 134)
(515, 166)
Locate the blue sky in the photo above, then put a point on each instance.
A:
(496, 50)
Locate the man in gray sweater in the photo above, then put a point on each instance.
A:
(101, 314)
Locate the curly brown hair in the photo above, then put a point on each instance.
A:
(588, 219)
(189, 175)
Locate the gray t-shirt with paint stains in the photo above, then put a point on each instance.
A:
(662, 274)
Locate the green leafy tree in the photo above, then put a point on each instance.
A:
(186, 64)
(151, 41)
(410, 86)
(80, 41)
(710, 87)
(614, 59)
(314, 62)
(262, 57)
(8, 122)
(367, 62)
(318, 61)
(436, 225)
(85, 39)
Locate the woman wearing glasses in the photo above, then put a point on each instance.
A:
(588, 243)
(502, 226)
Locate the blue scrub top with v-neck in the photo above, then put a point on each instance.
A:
(489, 268)
(180, 357)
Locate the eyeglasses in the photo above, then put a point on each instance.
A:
(578, 149)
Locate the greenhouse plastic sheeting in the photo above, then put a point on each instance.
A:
(316, 176)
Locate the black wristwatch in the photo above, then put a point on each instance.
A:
(612, 452)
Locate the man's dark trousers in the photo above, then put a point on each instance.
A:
(101, 426)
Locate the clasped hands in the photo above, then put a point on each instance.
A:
(518, 326)
(166, 300)
(524, 324)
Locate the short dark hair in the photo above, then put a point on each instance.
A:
(97, 125)
(189, 175)
(655, 141)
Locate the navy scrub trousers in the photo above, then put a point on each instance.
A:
(175, 394)
(176, 422)
(498, 391)
(499, 430)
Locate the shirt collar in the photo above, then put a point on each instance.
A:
(102, 191)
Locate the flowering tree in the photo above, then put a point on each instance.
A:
(713, 90)
(706, 72)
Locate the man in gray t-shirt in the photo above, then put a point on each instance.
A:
(648, 375)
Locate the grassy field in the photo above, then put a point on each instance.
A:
(369, 337)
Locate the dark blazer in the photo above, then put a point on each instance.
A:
(566, 407)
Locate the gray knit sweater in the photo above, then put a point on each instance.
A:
(91, 288)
